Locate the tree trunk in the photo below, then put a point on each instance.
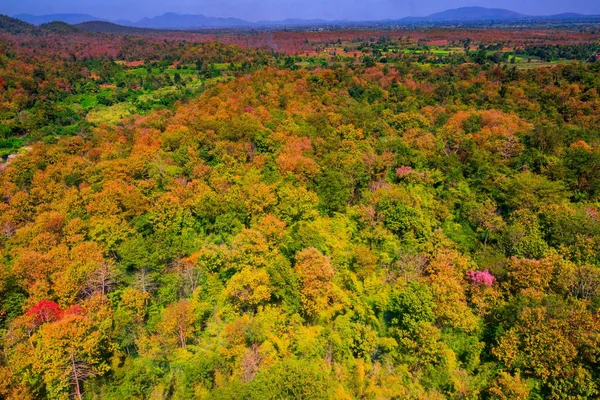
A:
(76, 379)
(182, 337)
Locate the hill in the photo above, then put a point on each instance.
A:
(109, 27)
(68, 18)
(59, 27)
(15, 26)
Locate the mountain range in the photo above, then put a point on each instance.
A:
(189, 21)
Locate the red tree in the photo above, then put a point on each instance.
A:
(45, 311)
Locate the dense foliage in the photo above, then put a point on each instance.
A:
(371, 230)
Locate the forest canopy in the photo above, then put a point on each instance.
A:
(402, 218)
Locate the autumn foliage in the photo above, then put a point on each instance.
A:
(320, 227)
(45, 311)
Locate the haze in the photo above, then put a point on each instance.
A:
(254, 10)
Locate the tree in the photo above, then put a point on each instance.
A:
(45, 311)
(547, 345)
(293, 158)
(486, 219)
(67, 353)
(315, 273)
(507, 387)
(177, 323)
(249, 288)
(334, 191)
(189, 273)
(101, 280)
(481, 277)
(296, 203)
(527, 273)
(410, 306)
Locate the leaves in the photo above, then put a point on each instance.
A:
(206, 221)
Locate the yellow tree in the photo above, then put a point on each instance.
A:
(249, 288)
(315, 273)
(507, 387)
(67, 352)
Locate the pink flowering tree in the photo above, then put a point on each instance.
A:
(481, 277)
(403, 171)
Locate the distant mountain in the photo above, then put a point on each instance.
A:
(474, 14)
(15, 26)
(465, 14)
(188, 21)
(482, 14)
(68, 18)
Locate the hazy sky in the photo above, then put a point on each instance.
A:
(279, 9)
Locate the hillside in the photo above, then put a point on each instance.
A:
(108, 27)
(67, 18)
(15, 26)
(59, 27)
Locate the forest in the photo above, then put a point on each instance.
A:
(356, 214)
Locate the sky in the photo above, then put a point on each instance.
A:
(254, 10)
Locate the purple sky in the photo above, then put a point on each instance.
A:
(279, 9)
